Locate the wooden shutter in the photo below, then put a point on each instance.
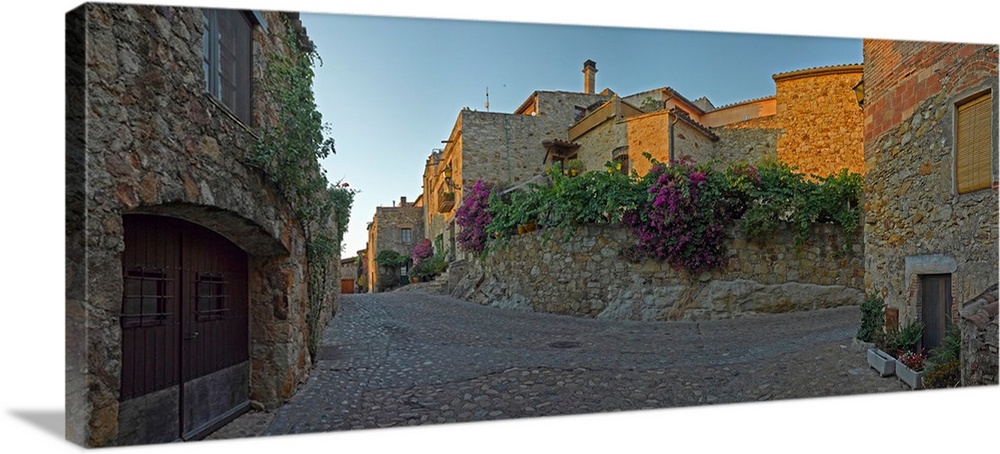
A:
(974, 167)
(234, 62)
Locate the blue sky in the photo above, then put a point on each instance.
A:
(391, 88)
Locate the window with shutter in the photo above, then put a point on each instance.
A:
(226, 59)
(974, 144)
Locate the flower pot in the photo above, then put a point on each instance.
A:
(909, 376)
(520, 229)
(530, 227)
(879, 360)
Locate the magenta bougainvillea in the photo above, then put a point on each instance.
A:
(473, 217)
(685, 217)
(421, 251)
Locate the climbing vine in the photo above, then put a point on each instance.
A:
(289, 149)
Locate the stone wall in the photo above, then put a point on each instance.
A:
(978, 324)
(387, 226)
(150, 139)
(913, 212)
(502, 148)
(585, 274)
(748, 144)
(819, 112)
(597, 145)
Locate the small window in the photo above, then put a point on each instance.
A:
(973, 144)
(226, 59)
(211, 292)
(145, 299)
(406, 235)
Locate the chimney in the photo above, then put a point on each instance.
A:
(402, 201)
(589, 73)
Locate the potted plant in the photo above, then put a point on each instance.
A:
(882, 362)
(943, 364)
(573, 167)
(872, 321)
(910, 368)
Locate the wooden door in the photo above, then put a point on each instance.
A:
(346, 286)
(935, 302)
(185, 320)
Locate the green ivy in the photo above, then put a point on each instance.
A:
(288, 153)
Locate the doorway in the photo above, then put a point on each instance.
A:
(185, 325)
(935, 308)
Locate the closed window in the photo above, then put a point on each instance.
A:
(974, 143)
(406, 235)
(145, 298)
(226, 59)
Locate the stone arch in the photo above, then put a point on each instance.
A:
(245, 233)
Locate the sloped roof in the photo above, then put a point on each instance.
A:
(833, 69)
(748, 101)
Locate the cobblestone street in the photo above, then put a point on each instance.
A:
(411, 358)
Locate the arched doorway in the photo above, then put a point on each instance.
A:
(184, 319)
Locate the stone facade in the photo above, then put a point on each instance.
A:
(585, 274)
(397, 228)
(917, 223)
(813, 123)
(503, 148)
(822, 123)
(978, 324)
(144, 136)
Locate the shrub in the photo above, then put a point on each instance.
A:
(872, 318)
(943, 375)
(685, 216)
(945, 370)
(421, 251)
(473, 217)
(391, 259)
(430, 267)
(783, 195)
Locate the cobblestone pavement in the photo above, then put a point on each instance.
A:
(412, 358)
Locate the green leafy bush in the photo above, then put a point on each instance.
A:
(430, 267)
(872, 318)
(943, 375)
(391, 259)
(945, 369)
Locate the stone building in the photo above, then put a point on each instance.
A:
(186, 269)
(397, 228)
(812, 122)
(503, 148)
(348, 275)
(931, 183)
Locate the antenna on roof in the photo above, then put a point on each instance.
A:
(487, 99)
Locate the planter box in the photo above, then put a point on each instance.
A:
(912, 378)
(879, 360)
